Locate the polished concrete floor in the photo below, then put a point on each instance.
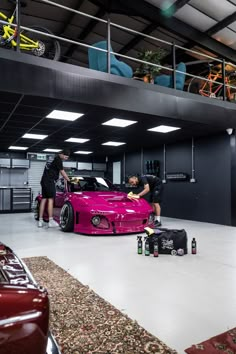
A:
(181, 300)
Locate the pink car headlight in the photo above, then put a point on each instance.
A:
(96, 220)
(100, 222)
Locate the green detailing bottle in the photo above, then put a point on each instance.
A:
(147, 248)
(140, 245)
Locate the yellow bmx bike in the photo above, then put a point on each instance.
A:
(29, 42)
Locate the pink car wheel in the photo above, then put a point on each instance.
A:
(67, 218)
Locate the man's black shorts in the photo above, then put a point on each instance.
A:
(48, 189)
(156, 194)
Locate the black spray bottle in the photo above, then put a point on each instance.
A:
(140, 244)
(194, 246)
(155, 247)
(147, 247)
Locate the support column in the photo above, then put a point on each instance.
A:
(233, 178)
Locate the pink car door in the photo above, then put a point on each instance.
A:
(60, 197)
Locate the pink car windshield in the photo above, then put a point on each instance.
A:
(90, 184)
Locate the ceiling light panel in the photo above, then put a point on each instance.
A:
(113, 143)
(232, 26)
(227, 37)
(34, 136)
(163, 129)
(214, 8)
(77, 140)
(194, 18)
(52, 150)
(18, 148)
(64, 115)
(83, 152)
(122, 123)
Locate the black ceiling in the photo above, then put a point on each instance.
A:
(21, 114)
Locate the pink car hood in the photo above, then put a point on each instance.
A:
(110, 199)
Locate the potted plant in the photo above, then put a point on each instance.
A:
(147, 72)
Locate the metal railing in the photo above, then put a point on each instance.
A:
(109, 25)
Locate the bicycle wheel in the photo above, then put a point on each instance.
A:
(206, 88)
(196, 84)
(48, 47)
(213, 89)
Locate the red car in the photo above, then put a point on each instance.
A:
(24, 309)
(92, 205)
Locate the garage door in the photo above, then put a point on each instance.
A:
(34, 177)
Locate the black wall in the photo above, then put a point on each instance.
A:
(207, 200)
(133, 163)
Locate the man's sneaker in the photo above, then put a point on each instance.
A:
(157, 223)
(40, 223)
(52, 223)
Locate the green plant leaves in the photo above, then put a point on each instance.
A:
(150, 56)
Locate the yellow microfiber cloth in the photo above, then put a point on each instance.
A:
(149, 231)
(131, 195)
(74, 180)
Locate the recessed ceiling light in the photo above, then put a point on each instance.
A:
(52, 150)
(83, 152)
(17, 148)
(64, 115)
(116, 122)
(113, 143)
(163, 129)
(77, 140)
(34, 136)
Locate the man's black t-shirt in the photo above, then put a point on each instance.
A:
(52, 169)
(153, 181)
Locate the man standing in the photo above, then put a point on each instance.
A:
(49, 177)
(152, 184)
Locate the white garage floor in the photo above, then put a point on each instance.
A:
(181, 300)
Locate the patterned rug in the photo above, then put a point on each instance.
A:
(223, 343)
(83, 322)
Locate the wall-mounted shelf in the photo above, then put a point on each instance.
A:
(20, 163)
(5, 163)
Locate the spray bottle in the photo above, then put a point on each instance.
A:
(194, 246)
(140, 244)
(155, 247)
(147, 248)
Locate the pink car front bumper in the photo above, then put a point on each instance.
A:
(111, 222)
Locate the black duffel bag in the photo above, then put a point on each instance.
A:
(169, 240)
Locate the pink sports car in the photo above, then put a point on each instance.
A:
(92, 205)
